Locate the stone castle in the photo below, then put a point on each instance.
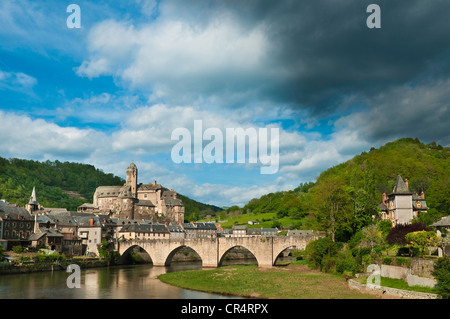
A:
(139, 201)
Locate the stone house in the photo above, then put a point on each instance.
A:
(442, 227)
(401, 206)
(91, 232)
(16, 225)
(144, 231)
(239, 231)
(190, 230)
(176, 231)
(205, 230)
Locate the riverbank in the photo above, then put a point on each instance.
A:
(46, 266)
(250, 281)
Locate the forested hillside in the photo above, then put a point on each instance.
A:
(66, 185)
(344, 197)
(58, 184)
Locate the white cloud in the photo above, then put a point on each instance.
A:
(171, 59)
(16, 81)
(25, 137)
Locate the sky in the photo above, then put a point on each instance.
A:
(114, 90)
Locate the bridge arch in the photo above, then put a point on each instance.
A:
(224, 254)
(278, 254)
(176, 250)
(125, 256)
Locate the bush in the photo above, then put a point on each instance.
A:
(347, 263)
(397, 234)
(318, 249)
(385, 226)
(441, 273)
(17, 249)
(387, 260)
(408, 251)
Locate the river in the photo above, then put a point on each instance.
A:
(119, 282)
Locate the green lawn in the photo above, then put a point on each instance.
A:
(398, 284)
(291, 282)
(268, 217)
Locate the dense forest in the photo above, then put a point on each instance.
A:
(66, 185)
(345, 197)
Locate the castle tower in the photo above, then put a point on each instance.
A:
(132, 176)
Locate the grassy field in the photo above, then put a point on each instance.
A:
(290, 282)
(266, 220)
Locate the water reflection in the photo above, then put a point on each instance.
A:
(124, 282)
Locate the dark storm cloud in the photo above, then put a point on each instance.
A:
(322, 50)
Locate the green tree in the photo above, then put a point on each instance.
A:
(422, 239)
(332, 205)
(372, 236)
(441, 273)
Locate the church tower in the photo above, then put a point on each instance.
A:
(132, 176)
(33, 204)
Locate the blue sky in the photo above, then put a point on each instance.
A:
(113, 91)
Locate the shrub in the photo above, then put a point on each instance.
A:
(328, 263)
(17, 249)
(385, 226)
(387, 260)
(397, 234)
(318, 249)
(348, 264)
(441, 273)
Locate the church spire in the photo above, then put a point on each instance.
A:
(33, 198)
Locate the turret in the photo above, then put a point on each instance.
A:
(132, 176)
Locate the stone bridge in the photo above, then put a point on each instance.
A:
(212, 251)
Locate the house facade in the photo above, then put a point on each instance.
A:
(16, 225)
(401, 206)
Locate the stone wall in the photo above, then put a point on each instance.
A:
(418, 275)
(422, 267)
(391, 291)
(395, 272)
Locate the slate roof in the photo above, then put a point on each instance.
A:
(14, 212)
(208, 226)
(444, 221)
(400, 187)
(108, 191)
(62, 218)
(145, 203)
(149, 186)
(144, 228)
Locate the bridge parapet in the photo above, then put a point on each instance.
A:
(266, 249)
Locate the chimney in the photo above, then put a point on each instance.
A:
(406, 183)
(384, 198)
(91, 222)
(422, 194)
(36, 225)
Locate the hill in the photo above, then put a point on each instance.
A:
(66, 185)
(344, 197)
